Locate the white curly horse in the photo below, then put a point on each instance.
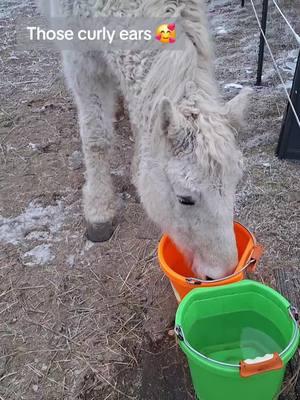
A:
(186, 164)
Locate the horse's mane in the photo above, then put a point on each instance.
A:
(186, 77)
(168, 75)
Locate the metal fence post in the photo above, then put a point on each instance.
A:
(289, 140)
(262, 42)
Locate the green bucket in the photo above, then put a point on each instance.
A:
(238, 340)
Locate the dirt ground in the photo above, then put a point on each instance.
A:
(92, 321)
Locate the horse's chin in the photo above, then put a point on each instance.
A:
(205, 271)
(198, 271)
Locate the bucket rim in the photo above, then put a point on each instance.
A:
(190, 281)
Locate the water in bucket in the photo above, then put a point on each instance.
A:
(233, 337)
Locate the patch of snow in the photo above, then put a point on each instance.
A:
(288, 85)
(76, 160)
(287, 62)
(9, 147)
(288, 67)
(33, 146)
(13, 57)
(249, 47)
(233, 86)
(37, 235)
(39, 255)
(291, 65)
(88, 245)
(35, 388)
(293, 54)
(34, 218)
(71, 260)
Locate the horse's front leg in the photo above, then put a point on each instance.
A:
(94, 90)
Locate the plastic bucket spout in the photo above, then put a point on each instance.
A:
(238, 340)
(182, 278)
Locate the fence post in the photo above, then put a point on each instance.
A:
(264, 17)
(289, 140)
(243, 3)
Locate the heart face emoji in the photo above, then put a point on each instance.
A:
(166, 33)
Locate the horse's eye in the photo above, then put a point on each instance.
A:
(186, 200)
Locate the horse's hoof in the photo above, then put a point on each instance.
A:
(99, 232)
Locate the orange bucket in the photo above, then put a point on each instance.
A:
(182, 278)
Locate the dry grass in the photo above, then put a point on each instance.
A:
(65, 335)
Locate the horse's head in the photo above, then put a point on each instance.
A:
(188, 180)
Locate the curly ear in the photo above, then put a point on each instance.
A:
(236, 108)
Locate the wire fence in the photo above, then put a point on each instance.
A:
(297, 37)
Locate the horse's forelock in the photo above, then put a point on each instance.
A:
(216, 149)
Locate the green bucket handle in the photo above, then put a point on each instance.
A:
(181, 336)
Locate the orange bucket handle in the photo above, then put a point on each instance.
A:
(270, 362)
(255, 257)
